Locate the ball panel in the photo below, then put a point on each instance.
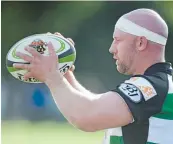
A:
(68, 52)
(59, 44)
(64, 67)
(19, 74)
(10, 63)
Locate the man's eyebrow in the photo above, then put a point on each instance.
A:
(115, 37)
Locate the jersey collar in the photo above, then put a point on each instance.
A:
(165, 67)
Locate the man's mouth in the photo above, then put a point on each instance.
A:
(115, 58)
(116, 62)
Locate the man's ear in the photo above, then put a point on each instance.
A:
(141, 43)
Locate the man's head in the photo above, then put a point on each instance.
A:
(139, 39)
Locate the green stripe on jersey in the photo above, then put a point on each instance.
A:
(119, 140)
(116, 140)
(167, 109)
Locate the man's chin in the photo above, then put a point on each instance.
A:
(121, 70)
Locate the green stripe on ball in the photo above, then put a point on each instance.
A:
(62, 60)
(69, 58)
(12, 69)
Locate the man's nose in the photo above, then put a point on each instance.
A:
(113, 49)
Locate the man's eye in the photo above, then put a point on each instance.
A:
(116, 40)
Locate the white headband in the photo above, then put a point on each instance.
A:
(127, 26)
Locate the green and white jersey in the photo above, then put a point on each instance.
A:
(150, 100)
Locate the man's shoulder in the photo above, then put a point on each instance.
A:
(144, 84)
(148, 86)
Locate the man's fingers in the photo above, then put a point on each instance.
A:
(27, 75)
(24, 56)
(71, 41)
(58, 34)
(22, 66)
(51, 49)
(72, 68)
(32, 51)
(48, 33)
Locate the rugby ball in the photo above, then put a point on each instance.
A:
(64, 49)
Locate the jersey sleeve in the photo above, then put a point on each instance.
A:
(144, 95)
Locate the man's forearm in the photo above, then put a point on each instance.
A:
(74, 105)
(75, 84)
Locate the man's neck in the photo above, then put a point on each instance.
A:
(142, 67)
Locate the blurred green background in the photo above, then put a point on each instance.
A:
(28, 112)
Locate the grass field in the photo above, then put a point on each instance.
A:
(46, 133)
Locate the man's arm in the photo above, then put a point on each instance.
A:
(86, 110)
(75, 84)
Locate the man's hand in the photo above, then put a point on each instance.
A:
(69, 74)
(40, 67)
(69, 39)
